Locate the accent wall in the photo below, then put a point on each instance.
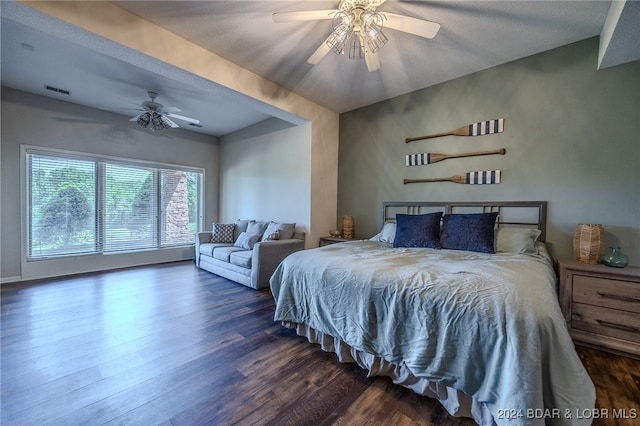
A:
(571, 135)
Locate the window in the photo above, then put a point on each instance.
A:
(86, 205)
(62, 206)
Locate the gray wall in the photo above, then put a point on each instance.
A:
(265, 174)
(571, 134)
(40, 121)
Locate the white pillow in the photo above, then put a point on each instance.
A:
(388, 232)
(387, 235)
(517, 240)
(247, 241)
(376, 237)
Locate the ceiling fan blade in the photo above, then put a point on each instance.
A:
(183, 118)
(372, 60)
(306, 15)
(121, 109)
(170, 109)
(407, 24)
(135, 118)
(320, 53)
(171, 123)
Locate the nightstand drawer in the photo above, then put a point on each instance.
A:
(605, 321)
(606, 292)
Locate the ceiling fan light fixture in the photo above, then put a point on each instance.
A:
(375, 43)
(159, 121)
(144, 119)
(357, 23)
(372, 22)
(360, 26)
(356, 49)
(342, 30)
(372, 30)
(155, 116)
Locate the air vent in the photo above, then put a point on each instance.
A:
(55, 89)
(195, 125)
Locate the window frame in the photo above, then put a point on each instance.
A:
(100, 162)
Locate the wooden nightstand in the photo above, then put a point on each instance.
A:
(325, 241)
(601, 306)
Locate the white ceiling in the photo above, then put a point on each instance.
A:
(38, 50)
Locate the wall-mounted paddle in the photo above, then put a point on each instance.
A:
(431, 157)
(476, 129)
(470, 178)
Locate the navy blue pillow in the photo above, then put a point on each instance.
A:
(418, 230)
(472, 232)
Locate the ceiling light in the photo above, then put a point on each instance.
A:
(154, 121)
(356, 49)
(358, 24)
(159, 121)
(144, 119)
(342, 31)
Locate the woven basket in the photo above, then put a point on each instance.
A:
(588, 241)
(348, 230)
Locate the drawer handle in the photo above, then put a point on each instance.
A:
(619, 297)
(619, 326)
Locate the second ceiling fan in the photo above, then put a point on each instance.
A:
(357, 26)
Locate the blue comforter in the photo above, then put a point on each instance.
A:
(488, 325)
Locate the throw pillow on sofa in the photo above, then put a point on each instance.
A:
(222, 233)
(247, 240)
(285, 230)
(257, 228)
(271, 236)
(241, 226)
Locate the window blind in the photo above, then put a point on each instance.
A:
(85, 205)
(130, 208)
(62, 214)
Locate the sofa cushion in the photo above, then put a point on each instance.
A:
(241, 258)
(223, 233)
(241, 226)
(224, 253)
(247, 241)
(257, 228)
(285, 230)
(208, 248)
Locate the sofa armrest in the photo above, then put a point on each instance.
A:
(266, 257)
(201, 238)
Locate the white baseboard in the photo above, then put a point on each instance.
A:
(7, 280)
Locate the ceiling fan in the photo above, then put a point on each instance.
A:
(357, 23)
(156, 116)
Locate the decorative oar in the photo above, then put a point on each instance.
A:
(474, 129)
(469, 178)
(431, 157)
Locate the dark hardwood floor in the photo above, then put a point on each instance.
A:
(173, 345)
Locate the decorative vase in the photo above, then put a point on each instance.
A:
(347, 226)
(587, 242)
(615, 258)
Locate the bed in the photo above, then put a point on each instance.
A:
(482, 332)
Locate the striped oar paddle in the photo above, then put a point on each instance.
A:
(431, 157)
(475, 129)
(469, 178)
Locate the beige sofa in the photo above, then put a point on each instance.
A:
(234, 251)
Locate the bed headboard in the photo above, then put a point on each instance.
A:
(526, 214)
